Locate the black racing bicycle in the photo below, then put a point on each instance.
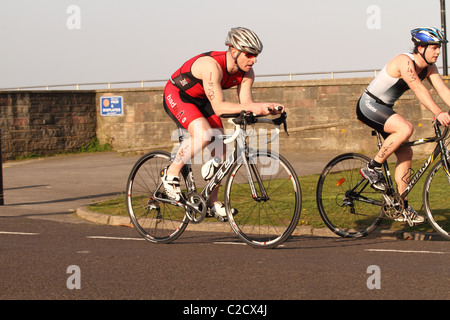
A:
(351, 208)
(261, 186)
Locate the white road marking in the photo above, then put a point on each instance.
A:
(19, 233)
(230, 242)
(406, 251)
(239, 243)
(113, 238)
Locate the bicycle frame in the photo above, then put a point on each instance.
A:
(221, 172)
(252, 175)
(440, 149)
(351, 208)
(239, 153)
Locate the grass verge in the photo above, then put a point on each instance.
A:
(309, 216)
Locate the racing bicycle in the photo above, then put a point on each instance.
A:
(261, 186)
(351, 208)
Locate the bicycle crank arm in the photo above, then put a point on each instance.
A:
(393, 205)
(195, 210)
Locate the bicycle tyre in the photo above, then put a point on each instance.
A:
(268, 223)
(342, 213)
(435, 199)
(156, 221)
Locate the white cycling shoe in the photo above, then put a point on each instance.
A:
(171, 185)
(218, 210)
(411, 216)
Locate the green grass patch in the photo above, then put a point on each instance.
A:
(115, 207)
(310, 215)
(93, 146)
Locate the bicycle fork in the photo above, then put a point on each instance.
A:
(252, 171)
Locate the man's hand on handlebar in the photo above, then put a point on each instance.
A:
(272, 108)
(444, 118)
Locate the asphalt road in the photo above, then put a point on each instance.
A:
(114, 263)
(47, 252)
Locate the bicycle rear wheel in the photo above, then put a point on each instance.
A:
(156, 221)
(435, 199)
(269, 219)
(345, 200)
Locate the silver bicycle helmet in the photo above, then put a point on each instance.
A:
(244, 40)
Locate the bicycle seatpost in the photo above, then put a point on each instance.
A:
(180, 134)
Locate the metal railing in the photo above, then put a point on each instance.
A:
(150, 83)
(328, 74)
(147, 83)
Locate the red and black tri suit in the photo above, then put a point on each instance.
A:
(185, 98)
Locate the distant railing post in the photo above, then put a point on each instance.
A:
(2, 199)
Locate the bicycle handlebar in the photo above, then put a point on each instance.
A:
(244, 118)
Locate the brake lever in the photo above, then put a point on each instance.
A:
(282, 120)
(285, 126)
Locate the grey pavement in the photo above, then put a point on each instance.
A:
(60, 188)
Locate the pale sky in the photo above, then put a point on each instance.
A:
(48, 42)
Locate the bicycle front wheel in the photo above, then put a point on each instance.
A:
(346, 202)
(435, 199)
(157, 221)
(267, 219)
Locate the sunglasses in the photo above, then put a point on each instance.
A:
(250, 55)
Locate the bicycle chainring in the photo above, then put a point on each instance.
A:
(196, 208)
(393, 205)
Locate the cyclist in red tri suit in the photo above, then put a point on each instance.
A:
(194, 99)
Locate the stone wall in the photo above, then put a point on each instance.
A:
(46, 122)
(321, 117)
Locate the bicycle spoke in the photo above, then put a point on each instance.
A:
(347, 206)
(436, 190)
(264, 221)
(157, 221)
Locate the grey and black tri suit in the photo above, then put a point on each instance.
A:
(376, 103)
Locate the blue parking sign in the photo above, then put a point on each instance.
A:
(111, 106)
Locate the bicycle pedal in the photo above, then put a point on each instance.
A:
(221, 219)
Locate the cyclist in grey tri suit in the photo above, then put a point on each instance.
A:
(375, 107)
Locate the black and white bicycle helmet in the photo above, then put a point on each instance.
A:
(244, 40)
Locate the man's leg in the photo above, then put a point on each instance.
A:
(404, 156)
(400, 130)
(199, 137)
